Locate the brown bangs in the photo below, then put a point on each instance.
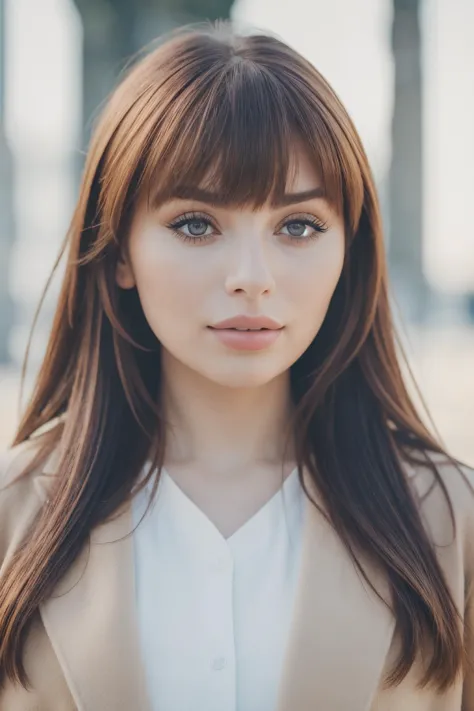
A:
(232, 131)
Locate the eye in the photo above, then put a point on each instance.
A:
(303, 228)
(196, 228)
(297, 229)
(192, 227)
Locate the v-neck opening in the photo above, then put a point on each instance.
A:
(284, 491)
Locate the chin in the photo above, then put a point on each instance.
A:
(243, 377)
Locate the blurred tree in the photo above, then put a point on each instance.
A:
(405, 181)
(115, 30)
(6, 212)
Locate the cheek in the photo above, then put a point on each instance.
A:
(319, 274)
(167, 281)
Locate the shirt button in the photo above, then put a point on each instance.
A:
(219, 663)
(219, 565)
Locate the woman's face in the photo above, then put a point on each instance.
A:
(195, 263)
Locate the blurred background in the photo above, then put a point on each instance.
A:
(403, 68)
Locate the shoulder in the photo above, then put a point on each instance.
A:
(20, 494)
(444, 498)
(453, 478)
(13, 462)
(25, 467)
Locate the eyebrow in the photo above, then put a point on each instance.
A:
(184, 192)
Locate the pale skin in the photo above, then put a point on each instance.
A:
(227, 409)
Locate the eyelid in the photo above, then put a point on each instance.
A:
(301, 214)
(294, 217)
(193, 215)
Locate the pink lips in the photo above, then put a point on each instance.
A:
(256, 340)
(246, 340)
(244, 321)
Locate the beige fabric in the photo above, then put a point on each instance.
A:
(83, 651)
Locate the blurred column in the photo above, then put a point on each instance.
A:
(449, 154)
(43, 102)
(6, 209)
(115, 30)
(108, 42)
(405, 182)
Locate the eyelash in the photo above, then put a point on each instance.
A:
(318, 226)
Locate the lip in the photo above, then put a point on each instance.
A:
(244, 321)
(246, 340)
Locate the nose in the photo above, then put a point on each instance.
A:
(250, 271)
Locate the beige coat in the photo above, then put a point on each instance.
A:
(82, 653)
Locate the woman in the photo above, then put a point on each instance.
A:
(194, 517)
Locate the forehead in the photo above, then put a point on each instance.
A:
(302, 173)
(302, 182)
(302, 178)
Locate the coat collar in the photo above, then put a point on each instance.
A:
(90, 619)
(339, 636)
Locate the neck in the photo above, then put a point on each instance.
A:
(223, 429)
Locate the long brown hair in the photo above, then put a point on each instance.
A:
(209, 103)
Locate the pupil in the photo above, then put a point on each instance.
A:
(296, 229)
(197, 227)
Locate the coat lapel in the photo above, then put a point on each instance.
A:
(340, 632)
(90, 620)
(339, 636)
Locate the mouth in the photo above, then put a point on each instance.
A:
(246, 339)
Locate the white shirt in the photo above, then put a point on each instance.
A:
(214, 613)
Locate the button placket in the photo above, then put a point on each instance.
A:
(219, 565)
(219, 663)
(221, 638)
